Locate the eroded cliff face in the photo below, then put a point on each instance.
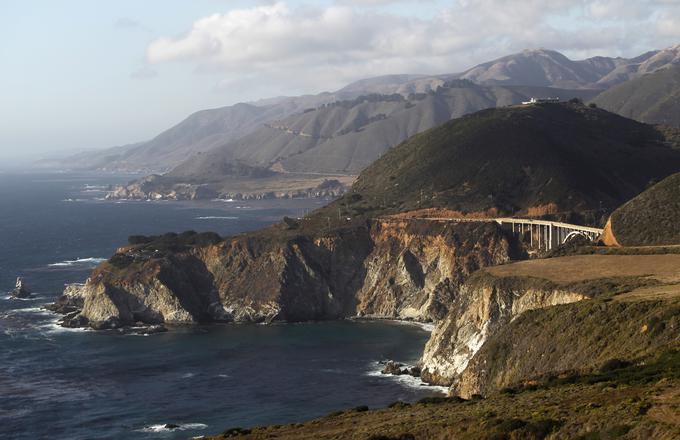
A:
(387, 269)
(480, 308)
(575, 338)
(416, 266)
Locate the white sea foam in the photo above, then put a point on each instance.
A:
(405, 380)
(78, 261)
(188, 375)
(223, 376)
(224, 200)
(32, 310)
(14, 298)
(426, 326)
(216, 217)
(54, 327)
(180, 427)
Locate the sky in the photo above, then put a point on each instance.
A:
(84, 74)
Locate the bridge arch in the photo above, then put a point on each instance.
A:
(573, 234)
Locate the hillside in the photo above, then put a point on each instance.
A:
(651, 218)
(646, 63)
(211, 128)
(542, 67)
(346, 136)
(200, 132)
(568, 156)
(653, 98)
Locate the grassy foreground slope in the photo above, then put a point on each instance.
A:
(615, 402)
(603, 368)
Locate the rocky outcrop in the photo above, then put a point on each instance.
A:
(416, 265)
(406, 269)
(153, 188)
(608, 237)
(156, 187)
(479, 309)
(20, 289)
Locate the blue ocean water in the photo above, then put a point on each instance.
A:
(74, 384)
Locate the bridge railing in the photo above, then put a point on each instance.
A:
(538, 234)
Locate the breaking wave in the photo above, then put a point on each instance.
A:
(90, 261)
(405, 379)
(169, 427)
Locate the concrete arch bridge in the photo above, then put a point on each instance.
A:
(542, 235)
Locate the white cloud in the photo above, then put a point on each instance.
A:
(322, 47)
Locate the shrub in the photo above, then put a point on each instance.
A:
(439, 399)
(120, 261)
(618, 431)
(291, 223)
(405, 436)
(399, 404)
(139, 239)
(235, 432)
(614, 364)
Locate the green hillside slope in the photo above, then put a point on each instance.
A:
(512, 159)
(651, 218)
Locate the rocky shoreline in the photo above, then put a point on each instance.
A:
(156, 187)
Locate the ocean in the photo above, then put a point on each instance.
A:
(78, 384)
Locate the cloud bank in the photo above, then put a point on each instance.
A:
(311, 47)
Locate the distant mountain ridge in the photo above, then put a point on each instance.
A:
(208, 129)
(346, 136)
(653, 98)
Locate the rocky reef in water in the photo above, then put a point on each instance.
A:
(406, 269)
(158, 187)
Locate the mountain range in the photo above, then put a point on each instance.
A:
(344, 131)
(653, 98)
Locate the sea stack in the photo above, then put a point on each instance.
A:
(20, 289)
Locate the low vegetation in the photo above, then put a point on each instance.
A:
(618, 401)
(568, 156)
(144, 247)
(652, 98)
(651, 218)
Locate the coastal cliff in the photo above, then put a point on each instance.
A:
(416, 266)
(406, 269)
(526, 321)
(480, 308)
(572, 339)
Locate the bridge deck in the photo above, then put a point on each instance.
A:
(501, 220)
(548, 233)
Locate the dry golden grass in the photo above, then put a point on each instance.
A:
(664, 268)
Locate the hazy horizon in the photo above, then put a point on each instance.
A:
(84, 76)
